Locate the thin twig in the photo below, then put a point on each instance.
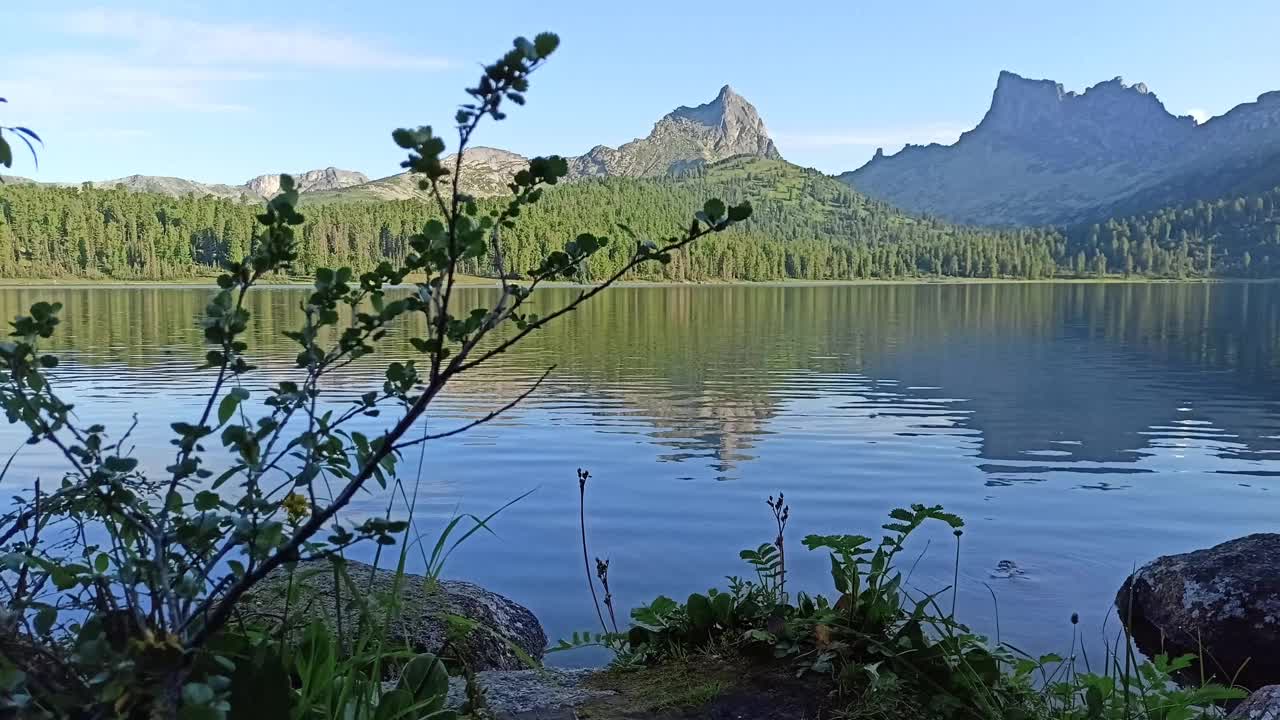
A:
(493, 415)
(583, 476)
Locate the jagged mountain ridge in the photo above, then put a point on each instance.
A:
(1045, 155)
(176, 186)
(253, 190)
(727, 126)
(486, 172)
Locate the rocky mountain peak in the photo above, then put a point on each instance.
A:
(1043, 153)
(686, 137)
(1262, 115)
(735, 119)
(726, 126)
(1021, 104)
(481, 155)
(1014, 88)
(1110, 115)
(727, 103)
(488, 171)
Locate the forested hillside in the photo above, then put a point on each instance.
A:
(1231, 236)
(805, 226)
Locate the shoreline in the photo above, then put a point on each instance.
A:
(198, 283)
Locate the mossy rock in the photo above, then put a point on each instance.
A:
(487, 630)
(710, 688)
(1221, 604)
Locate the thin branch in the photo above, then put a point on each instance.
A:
(480, 421)
(217, 610)
(583, 296)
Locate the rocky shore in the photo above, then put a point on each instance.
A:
(1221, 604)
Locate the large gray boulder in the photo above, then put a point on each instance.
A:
(1221, 604)
(545, 694)
(495, 633)
(1263, 704)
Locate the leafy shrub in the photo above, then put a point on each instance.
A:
(892, 654)
(120, 586)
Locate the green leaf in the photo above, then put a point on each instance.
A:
(6, 153)
(45, 620)
(426, 679)
(395, 705)
(722, 606)
(101, 563)
(206, 500)
(228, 406)
(197, 694)
(226, 475)
(545, 43)
(713, 209)
(1093, 699)
(11, 678)
(701, 615)
(63, 579)
(119, 465)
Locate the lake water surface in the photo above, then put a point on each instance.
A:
(1080, 429)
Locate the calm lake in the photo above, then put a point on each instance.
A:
(1080, 429)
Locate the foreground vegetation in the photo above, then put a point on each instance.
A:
(878, 648)
(121, 588)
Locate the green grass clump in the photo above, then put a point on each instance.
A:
(886, 651)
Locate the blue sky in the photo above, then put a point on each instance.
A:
(222, 91)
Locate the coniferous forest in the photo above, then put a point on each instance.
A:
(806, 226)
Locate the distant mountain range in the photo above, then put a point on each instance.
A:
(258, 188)
(1040, 156)
(687, 137)
(1043, 155)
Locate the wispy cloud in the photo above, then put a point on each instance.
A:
(1200, 115)
(110, 134)
(868, 137)
(130, 61)
(198, 42)
(102, 83)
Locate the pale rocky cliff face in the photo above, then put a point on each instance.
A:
(263, 186)
(329, 178)
(486, 172)
(725, 127)
(1042, 154)
(177, 186)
